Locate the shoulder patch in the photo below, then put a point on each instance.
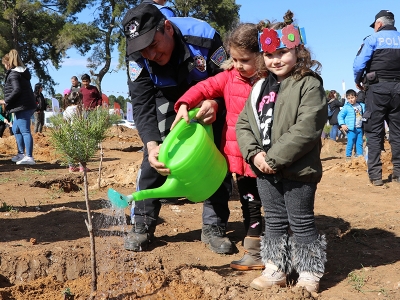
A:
(134, 70)
(200, 63)
(219, 56)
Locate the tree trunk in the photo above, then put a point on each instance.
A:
(89, 226)
(101, 164)
(103, 71)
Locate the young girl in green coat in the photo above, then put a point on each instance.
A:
(279, 135)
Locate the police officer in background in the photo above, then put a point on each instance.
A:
(175, 54)
(378, 60)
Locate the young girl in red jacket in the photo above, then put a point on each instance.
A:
(242, 70)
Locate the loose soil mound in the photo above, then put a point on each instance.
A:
(45, 249)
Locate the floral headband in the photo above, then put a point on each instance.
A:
(289, 36)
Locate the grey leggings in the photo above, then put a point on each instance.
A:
(288, 203)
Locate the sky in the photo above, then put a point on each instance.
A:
(334, 30)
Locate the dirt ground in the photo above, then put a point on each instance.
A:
(45, 247)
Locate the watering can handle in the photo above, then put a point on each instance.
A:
(192, 113)
(162, 157)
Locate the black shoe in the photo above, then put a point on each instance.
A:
(139, 238)
(215, 237)
(377, 182)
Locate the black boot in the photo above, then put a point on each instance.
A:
(216, 238)
(139, 238)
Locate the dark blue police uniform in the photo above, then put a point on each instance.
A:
(380, 53)
(154, 89)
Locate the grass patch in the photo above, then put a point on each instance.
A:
(7, 208)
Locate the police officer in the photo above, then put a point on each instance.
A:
(175, 54)
(378, 60)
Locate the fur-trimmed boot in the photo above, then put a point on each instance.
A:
(251, 259)
(275, 254)
(309, 261)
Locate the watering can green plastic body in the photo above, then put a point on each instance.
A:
(196, 165)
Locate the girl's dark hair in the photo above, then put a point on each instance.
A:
(74, 98)
(245, 37)
(304, 65)
(331, 94)
(37, 88)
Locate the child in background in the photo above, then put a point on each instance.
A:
(242, 70)
(279, 135)
(349, 119)
(72, 106)
(334, 104)
(91, 97)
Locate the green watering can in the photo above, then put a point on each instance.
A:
(197, 167)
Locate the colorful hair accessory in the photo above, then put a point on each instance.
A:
(290, 36)
(269, 40)
(67, 91)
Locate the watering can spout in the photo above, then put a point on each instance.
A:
(170, 189)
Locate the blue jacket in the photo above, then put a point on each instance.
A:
(379, 53)
(347, 116)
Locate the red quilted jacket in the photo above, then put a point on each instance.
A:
(234, 89)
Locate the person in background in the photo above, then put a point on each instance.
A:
(41, 106)
(72, 107)
(242, 70)
(75, 84)
(279, 135)
(20, 100)
(334, 106)
(377, 65)
(90, 94)
(349, 119)
(175, 53)
(5, 120)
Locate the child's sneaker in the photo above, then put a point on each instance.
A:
(73, 169)
(309, 281)
(270, 276)
(27, 160)
(81, 169)
(17, 157)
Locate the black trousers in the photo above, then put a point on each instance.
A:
(251, 205)
(3, 127)
(382, 103)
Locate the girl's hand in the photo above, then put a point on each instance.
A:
(344, 128)
(2, 102)
(208, 111)
(181, 114)
(261, 164)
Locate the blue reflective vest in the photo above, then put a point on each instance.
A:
(379, 53)
(197, 36)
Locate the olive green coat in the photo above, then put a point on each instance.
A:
(300, 114)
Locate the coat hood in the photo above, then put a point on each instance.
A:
(24, 72)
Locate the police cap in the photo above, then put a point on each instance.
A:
(140, 24)
(383, 13)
